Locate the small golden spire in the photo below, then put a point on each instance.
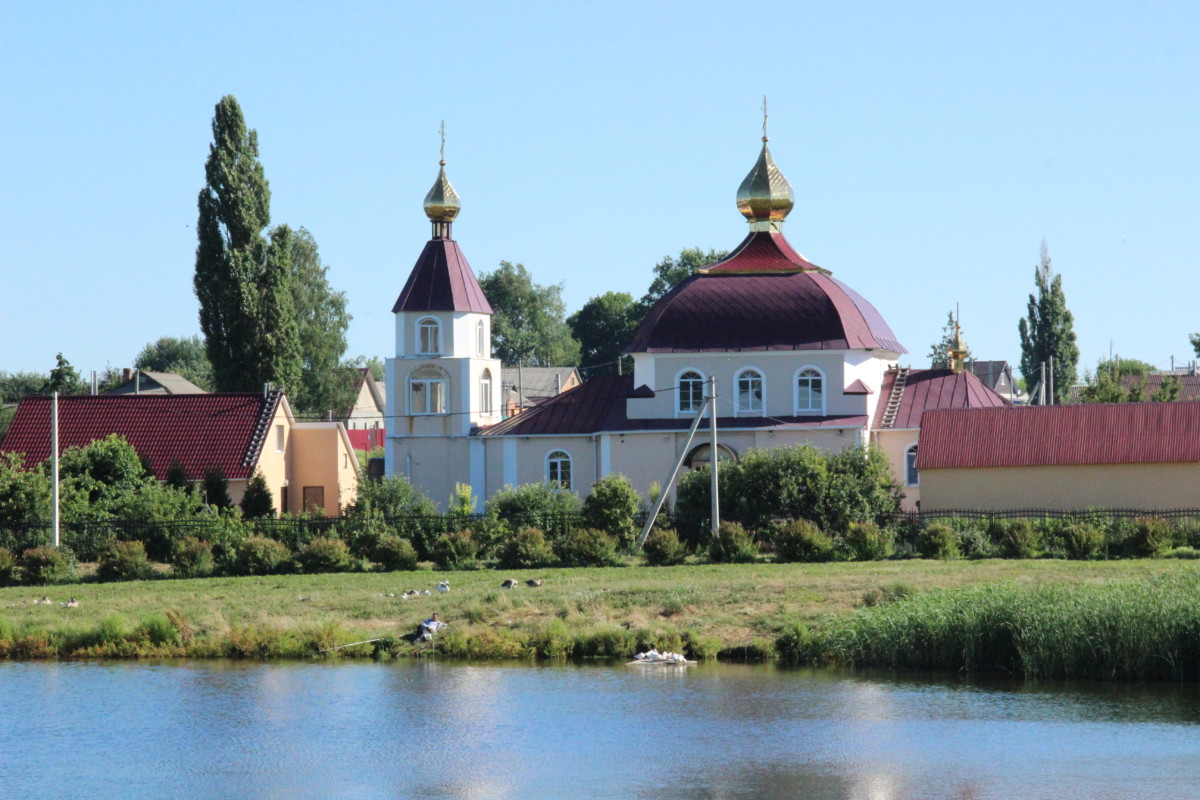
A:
(957, 351)
(441, 203)
(765, 197)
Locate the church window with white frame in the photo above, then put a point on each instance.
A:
(485, 392)
(427, 391)
(691, 392)
(912, 476)
(429, 337)
(558, 469)
(810, 391)
(749, 398)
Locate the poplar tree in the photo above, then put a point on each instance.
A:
(1048, 331)
(243, 279)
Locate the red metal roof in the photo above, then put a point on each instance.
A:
(762, 252)
(1108, 433)
(719, 312)
(598, 405)
(199, 430)
(442, 280)
(933, 389)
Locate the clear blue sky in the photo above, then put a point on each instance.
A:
(931, 146)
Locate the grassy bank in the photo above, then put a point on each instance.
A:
(803, 611)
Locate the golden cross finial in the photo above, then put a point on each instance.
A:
(443, 150)
(764, 117)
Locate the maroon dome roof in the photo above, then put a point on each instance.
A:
(764, 296)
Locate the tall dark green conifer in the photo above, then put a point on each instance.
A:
(243, 281)
(1047, 331)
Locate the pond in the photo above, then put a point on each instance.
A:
(446, 730)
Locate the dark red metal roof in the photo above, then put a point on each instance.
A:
(442, 280)
(933, 389)
(598, 405)
(198, 430)
(1108, 433)
(763, 296)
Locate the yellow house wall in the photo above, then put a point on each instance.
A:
(320, 457)
(1137, 486)
(273, 462)
(895, 443)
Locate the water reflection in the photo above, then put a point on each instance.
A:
(502, 731)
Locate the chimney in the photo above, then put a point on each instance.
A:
(126, 374)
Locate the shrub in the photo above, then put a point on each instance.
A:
(1182, 552)
(732, 545)
(193, 558)
(887, 594)
(613, 507)
(456, 551)
(975, 542)
(257, 501)
(1151, 536)
(1021, 540)
(527, 549)
(795, 644)
(258, 555)
(394, 553)
(8, 567)
(550, 508)
(663, 548)
(325, 555)
(43, 565)
(125, 561)
(866, 541)
(1082, 540)
(800, 540)
(939, 541)
(589, 547)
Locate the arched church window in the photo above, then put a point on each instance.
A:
(810, 391)
(691, 392)
(912, 476)
(558, 469)
(429, 337)
(485, 391)
(427, 391)
(749, 398)
(701, 456)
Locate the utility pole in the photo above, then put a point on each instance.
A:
(54, 462)
(712, 411)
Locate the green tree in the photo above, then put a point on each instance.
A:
(185, 357)
(1048, 332)
(670, 272)
(1195, 340)
(1168, 391)
(214, 489)
(604, 327)
(242, 279)
(257, 502)
(528, 325)
(24, 493)
(939, 351)
(322, 322)
(15, 385)
(64, 379)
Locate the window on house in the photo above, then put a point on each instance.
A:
(749, 393)
(480, 339)
(912, 476)
(427, 391)
(429, 340)
(558, 469)
(280, 439)
(314, 498)
(701, 456)
(485, 392)
(810, 392)
(691, 392)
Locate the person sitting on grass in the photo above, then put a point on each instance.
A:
(428, 628)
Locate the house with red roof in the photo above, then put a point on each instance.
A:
(1069, 457)
(307, 465)
(797, 356)
(365, 420)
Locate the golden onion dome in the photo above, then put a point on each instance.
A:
(441, 204)
(765, 196)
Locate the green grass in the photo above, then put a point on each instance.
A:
(739, 610)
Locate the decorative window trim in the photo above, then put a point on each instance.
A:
(912, 475)
(680, 411)
(485, 392)
(738, 411)
(555, 461)
(809, 410)
(724, 453)
(433, 376)
(435, 325)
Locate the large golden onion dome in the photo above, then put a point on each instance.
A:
(441, 204)
(765, 197)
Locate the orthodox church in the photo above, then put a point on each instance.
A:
(796, 355)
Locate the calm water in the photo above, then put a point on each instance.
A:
(433, 730)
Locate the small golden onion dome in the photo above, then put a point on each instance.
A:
(441, 204)
(765, 196)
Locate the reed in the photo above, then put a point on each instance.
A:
(1116, 630)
